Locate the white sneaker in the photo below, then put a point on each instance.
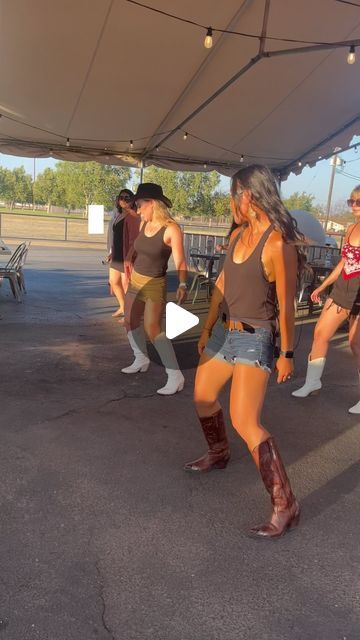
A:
(175, 383)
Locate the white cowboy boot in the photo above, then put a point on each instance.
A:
(175, 381)
(356, 407)
(312, 384)
(137, 342)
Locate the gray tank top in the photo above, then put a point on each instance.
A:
(248, 295)
(152, 254)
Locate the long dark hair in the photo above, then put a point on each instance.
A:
(130, 193)
(259, 180)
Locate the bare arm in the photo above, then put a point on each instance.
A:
(331, 277)
(284, 261)
(174, 237)
(215, 302)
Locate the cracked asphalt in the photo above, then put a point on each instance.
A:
(102, 534)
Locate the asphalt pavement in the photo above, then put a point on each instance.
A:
(103, 536)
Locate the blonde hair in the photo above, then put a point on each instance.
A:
(355, 191)
(161, 213)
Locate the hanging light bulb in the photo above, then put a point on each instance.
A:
(67, 142)
(185, 135)
(299, 163)
(351, 55)
(205, 165)
(157, 148)
(131, 144)
(241, 158)
(208, 42)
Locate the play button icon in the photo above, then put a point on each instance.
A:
(178, 320)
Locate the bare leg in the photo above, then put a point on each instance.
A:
(354, 339)
(117, 287)
(153, 318)
(330, 320)
(248, 390)
(211, 376)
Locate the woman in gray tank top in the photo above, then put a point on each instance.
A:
(237, 342)
(159, 238)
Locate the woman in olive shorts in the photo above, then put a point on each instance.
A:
(159, 238)
(342, 304)
(238, 339)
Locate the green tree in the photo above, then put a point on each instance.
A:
(191, 193)
(16, 186)
(82, 183)
(222, 204)
(45, 188)
(301, 200)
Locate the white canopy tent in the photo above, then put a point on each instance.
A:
(81, 79)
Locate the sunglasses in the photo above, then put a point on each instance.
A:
(351, 202)
(125, 198)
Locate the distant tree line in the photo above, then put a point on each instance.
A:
(75, 185)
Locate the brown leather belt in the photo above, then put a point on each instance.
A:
(236, 325)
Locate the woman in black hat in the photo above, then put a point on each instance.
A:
(159, 237)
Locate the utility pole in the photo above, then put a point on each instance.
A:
(335, 161)
(33, 185)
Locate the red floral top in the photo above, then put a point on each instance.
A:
(351, 257)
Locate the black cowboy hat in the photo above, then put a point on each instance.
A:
(151, 191)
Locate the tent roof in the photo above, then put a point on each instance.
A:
(103, 72)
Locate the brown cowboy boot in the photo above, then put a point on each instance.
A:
(219, 453)
(286, 510)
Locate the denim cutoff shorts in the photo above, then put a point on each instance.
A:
(242, 347)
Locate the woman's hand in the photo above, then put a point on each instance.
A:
(205, 335)
(128, 267)
(181, 294)
(315, 296)
(285, 368)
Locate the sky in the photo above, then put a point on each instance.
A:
(313, 181)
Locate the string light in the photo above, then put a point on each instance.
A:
(241, 158)
(67, 142)
(299, 163)
(205, 165)
(351, 55)
(208, 42)
(131, 144)
(157, 148)
(185, 135)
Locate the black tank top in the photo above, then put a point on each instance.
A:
(118, 241)
(152, 254)
(248, 295)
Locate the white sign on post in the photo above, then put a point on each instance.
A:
(96, 218)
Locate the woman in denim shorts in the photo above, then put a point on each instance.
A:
(237, 342)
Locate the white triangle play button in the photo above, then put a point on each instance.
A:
(178, 320)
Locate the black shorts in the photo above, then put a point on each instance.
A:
(346, 294)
